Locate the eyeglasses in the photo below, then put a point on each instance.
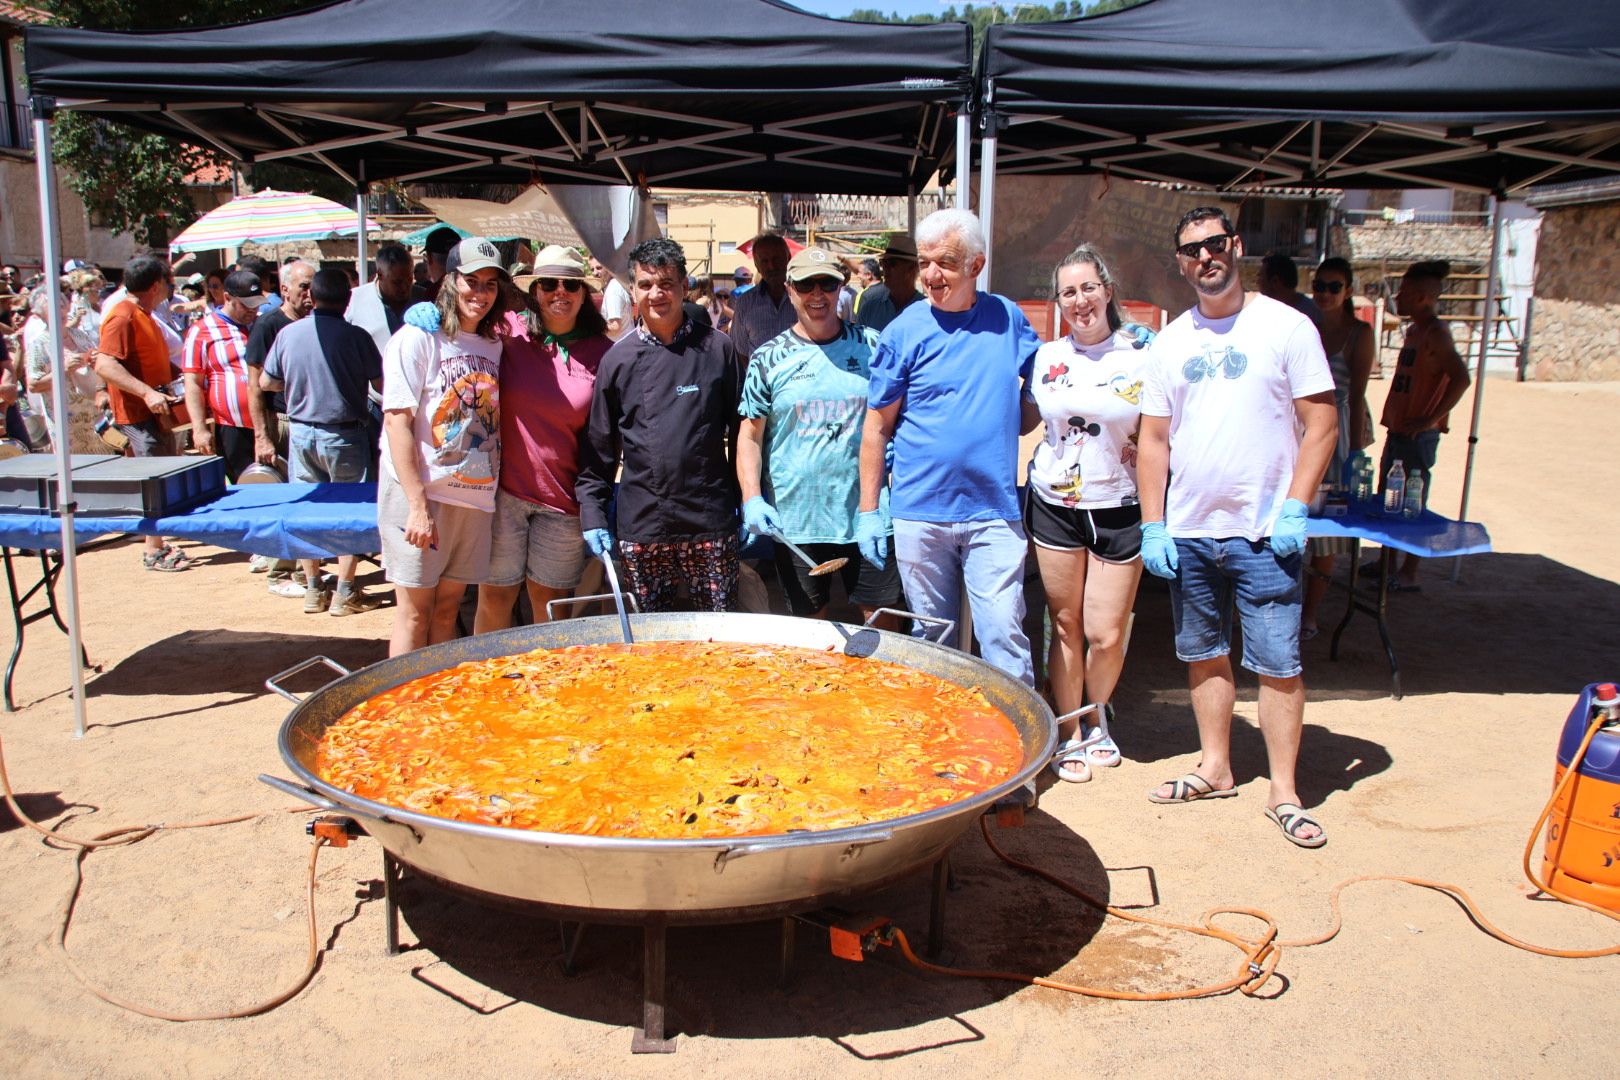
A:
(827, 285)
(551, 284)
(1334, 287)
(1087, 289)
(1215, 245)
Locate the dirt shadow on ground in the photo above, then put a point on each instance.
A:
(38, 805)
(724, 981)
(222, 661)
(1514, 623)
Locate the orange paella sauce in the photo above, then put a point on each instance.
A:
(675, 739)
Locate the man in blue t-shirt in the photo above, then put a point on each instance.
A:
(945, 388)
(803, 405)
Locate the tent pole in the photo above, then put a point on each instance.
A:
(43, 109)
(987, 195)
(964, 156)
(1487, 321)
(911, 209)
(360, 216)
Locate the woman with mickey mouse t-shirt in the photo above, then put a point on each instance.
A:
(1081, 505)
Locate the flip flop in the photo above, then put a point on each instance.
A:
(1290, 817)
(1190, 788)
(1069, 755)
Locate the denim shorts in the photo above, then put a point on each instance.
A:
(536, 542)
(326, 455)
(1213, 575)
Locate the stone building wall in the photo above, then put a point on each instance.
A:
(1576, 330)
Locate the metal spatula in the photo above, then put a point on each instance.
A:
(816, 569)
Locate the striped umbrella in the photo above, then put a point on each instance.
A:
(267, 217)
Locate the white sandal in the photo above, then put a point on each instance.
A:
(1104, 750)
(1069, 762)
(1105, 753)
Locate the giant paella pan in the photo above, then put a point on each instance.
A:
(631, 879)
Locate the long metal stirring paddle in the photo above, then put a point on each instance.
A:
(618, 596)
(816, 569)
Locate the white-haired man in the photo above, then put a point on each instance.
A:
(945, 385)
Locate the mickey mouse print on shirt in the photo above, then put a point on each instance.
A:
(1088, 397)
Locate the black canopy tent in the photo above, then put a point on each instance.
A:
(1482, 95)
(755, 96)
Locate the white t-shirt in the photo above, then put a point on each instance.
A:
(454, 386)
(1089, 397)
(616, 304)
(1229, 387)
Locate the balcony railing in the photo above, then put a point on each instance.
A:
(1426, 217)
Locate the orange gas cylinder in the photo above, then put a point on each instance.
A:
(1582, 855)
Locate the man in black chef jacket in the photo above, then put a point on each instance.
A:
(665, 407)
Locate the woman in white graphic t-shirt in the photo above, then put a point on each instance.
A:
(441, 448)
(1080, 507)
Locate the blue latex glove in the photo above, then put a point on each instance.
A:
(1158, 550)
(423, 316)
(600, 541)
(872, 536)
(759, 517)
(1288, 535)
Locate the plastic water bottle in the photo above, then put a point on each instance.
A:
(1361, 480)
(1412, 503)
(1395, 490)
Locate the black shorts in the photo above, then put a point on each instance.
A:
(864, 584)
(1113, 534)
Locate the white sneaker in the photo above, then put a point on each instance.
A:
(286, 587)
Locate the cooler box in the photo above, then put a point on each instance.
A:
(28, 483)
(149, 486)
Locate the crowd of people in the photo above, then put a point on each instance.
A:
(521, 420)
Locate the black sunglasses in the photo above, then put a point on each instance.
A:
(1215, 245)
(1334, 287)
(827, 284)
(550, 284)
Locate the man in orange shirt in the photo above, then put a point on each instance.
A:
(132, 358)
(1430, 377)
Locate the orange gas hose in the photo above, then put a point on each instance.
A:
(134, 834)
(1261, 955)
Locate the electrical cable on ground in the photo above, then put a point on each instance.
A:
(134, 834)
(1261, 955)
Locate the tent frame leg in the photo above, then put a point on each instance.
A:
(44, 108)
(1492, 287)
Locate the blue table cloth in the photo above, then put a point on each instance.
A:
(283, 521)
(1429, 536)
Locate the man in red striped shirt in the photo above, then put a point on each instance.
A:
(215, 367)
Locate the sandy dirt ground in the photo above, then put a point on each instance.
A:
(1443, 784)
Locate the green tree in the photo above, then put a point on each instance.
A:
(135, 180)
